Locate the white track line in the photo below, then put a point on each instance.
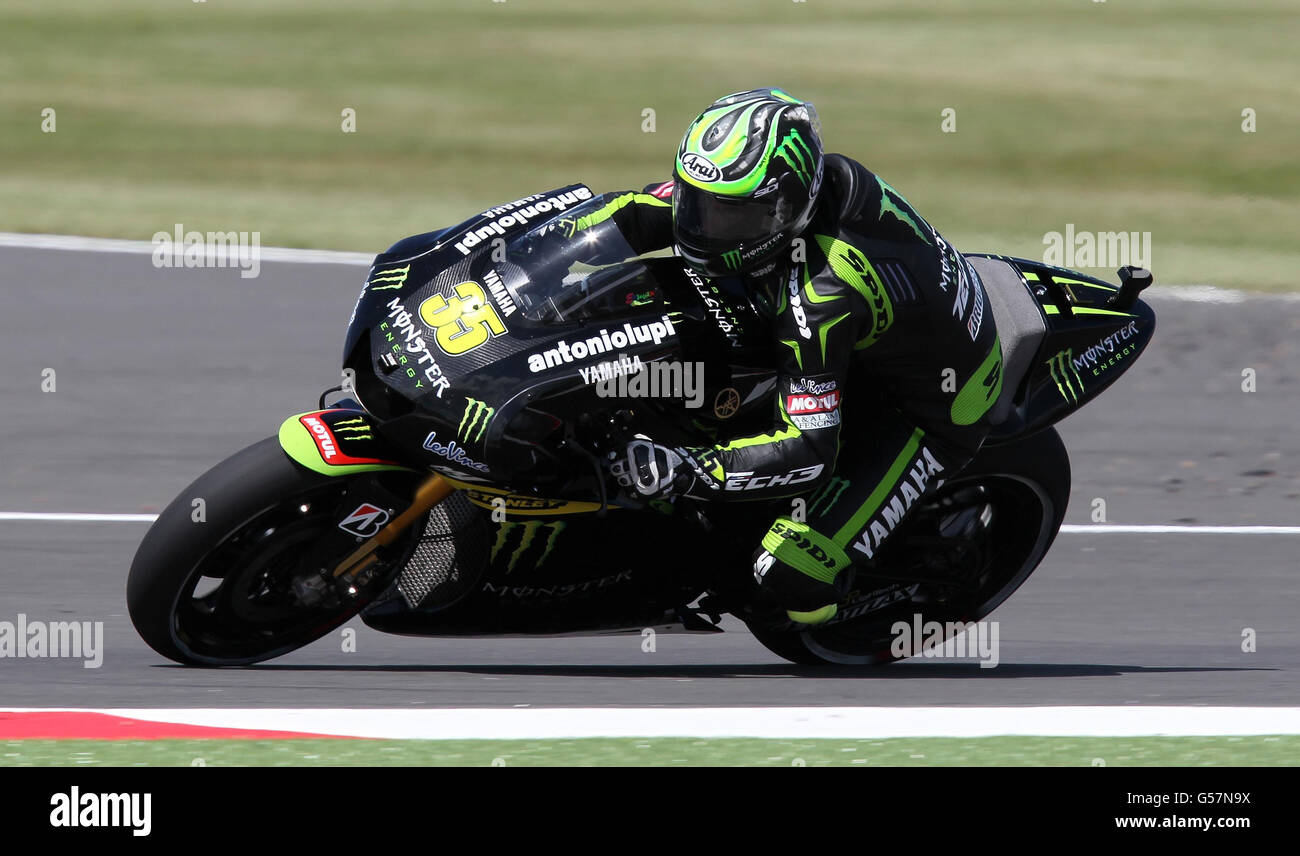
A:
(1156, 529)
(1072, 529)
(75, 517)
(762, 722)
(75, 243)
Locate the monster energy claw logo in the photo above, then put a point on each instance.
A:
(527, 539)
(391, 277)
(1066, 377)
(794, 151)
(824, 500)
(731, 258)
(474, 409)
(357, 425)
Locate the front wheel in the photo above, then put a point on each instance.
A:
(1012, 499)
(228, 574)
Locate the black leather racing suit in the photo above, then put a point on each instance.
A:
(890, 362)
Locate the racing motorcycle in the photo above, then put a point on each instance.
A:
(460, 484)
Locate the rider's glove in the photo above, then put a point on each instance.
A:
(654, 471)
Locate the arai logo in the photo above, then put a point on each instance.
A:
(700, 168)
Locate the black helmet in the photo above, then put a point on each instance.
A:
(748, 172)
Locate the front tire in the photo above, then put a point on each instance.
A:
(222, 588)
(1027, 486)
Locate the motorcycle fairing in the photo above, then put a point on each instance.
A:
(336, 442)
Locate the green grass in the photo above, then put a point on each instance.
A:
(995, 751)
(1120, 116)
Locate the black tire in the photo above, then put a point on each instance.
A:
(1033, 478)
(262, 509)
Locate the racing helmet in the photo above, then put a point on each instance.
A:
(748, 172)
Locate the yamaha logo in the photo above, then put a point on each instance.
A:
(700, 168)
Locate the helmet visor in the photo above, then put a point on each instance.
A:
(711, 222)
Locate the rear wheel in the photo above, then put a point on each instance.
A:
(953, 561)
(241, 583)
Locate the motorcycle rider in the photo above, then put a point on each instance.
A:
(877, 316)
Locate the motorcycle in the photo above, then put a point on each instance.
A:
(460, 484)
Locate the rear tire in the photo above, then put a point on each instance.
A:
(262, 511)
(1028, 483)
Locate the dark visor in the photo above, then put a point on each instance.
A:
(711, 220)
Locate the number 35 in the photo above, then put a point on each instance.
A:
(464, 322)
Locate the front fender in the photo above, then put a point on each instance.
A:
(337, 442)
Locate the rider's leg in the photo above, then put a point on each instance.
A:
(877, 483)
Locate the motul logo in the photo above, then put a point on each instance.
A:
(365, 521)
(324, 439)
(812, 403)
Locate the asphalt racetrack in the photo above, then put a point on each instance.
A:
(161, 373)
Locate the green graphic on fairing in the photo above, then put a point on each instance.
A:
(355, 429)
(527, 539)
(477, 413)
(391, 277)
(731, 259)
(1066, 376)
(298, 442)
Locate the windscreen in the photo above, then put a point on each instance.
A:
(574, 263)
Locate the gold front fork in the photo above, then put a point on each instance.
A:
(431, 491)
